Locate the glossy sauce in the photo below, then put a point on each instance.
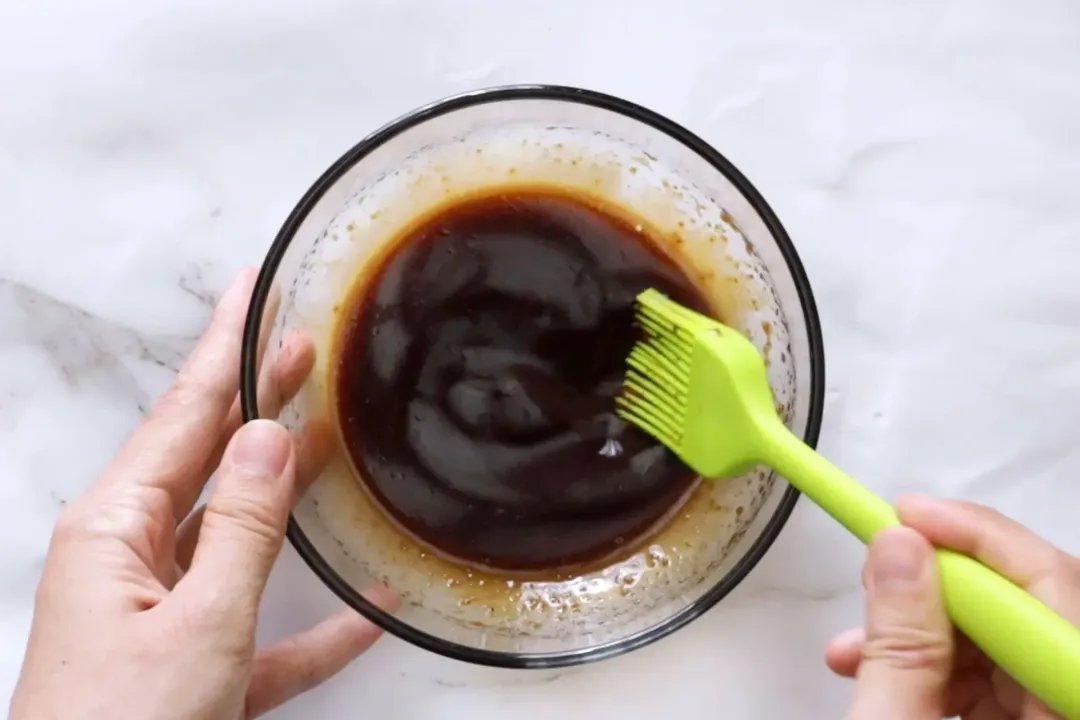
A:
(475, 379)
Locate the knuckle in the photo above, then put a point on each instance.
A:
(215, 615)
(181, 394)
(304, 666)
(1059, 586)
(69, 527)
(245, 518)
(1066, 567)
(1070, 574)
(191, 388)
(131, 514)
(908, 648)
(1050, 572)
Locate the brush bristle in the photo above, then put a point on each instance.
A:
(656, 387)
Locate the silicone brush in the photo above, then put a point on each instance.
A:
(701, 389)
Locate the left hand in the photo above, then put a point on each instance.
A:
(143, 614)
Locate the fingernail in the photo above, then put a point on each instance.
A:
(262, 448)
(897, 559)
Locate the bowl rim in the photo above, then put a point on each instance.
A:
(555, 93)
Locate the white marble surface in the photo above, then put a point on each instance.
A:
(924, 155)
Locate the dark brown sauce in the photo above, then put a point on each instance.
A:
(476, 373)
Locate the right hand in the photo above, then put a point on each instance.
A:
(976, 690)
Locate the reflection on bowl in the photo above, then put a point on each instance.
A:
(717, 227)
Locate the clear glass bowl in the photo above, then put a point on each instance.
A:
(720, 229)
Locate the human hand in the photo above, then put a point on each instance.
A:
(140, 615)
(908, 662)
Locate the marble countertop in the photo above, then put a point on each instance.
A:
(923, 155)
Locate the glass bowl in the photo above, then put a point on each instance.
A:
(719, 229)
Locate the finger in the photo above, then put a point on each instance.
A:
(843, 654)
(907, 654)
(1012, 550)
(1035, 709)
(169, 450)
(987, 708)
(1008, 692)
(187, 535)
(969, 683)
(1016, 702)
(278, 383)
(243, 525)
(966, 656)
(966, 691)
(313, 446)
(995, 540)
(304, 661)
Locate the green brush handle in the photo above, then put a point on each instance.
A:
(1026, 639)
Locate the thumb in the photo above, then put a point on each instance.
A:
(244, 523)
(907, 655)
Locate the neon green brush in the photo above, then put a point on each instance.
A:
(701, 389)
